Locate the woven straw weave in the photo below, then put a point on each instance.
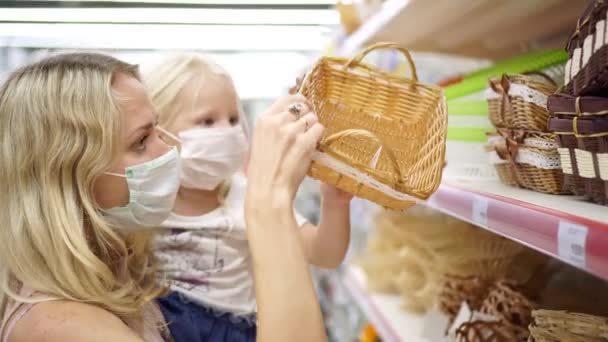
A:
(455, 290)
(512, 308)
(415, 252)
(484, 331)
(385, 134)
(566, 326)
(525, 175)
(517, 111)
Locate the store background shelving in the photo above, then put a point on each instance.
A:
(498, 29)
(475, 28)
(564, 227)
(530, 218)
(384, 310)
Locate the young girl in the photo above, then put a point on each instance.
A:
(205, 254)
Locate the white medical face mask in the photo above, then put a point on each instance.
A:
(152, 186)
(211, 155)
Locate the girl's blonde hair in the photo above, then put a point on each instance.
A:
(167, 81)
(60, 124)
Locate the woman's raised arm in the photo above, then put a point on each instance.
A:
(282, 148)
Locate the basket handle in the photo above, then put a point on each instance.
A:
(502, 87)
(325, 143)
(359, 57)
(541, 74)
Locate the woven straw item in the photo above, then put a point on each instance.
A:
(581, 124)
(505, 312)
(512, 172)
(456, 290)
(587, 67)
(513, 108)
(565, 326)
(410, 252)
(385, 134)
(511, 308)
(484, 331)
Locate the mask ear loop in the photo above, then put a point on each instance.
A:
(164, 131)
(169, 134)
(115, 174)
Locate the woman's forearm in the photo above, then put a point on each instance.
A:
(288, 309)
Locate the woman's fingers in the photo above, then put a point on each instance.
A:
(311, 138)
(302, 124)
(283, 144)
(283, 103)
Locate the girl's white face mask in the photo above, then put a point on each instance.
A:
(153, 187)
(211, 155)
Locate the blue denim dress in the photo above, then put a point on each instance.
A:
(190, 322)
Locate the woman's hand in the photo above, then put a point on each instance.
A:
(283, 144)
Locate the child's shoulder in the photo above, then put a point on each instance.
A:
(238, 188)
(239, 180)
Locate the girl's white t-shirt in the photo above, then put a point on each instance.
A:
(206, 258)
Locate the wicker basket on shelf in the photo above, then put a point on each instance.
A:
(509, 306)
(519, 101)
(560, 326)
(581, 125)
(456, 289)
(527, 159)
(499, 311)
(587, 66)
(385, 134)
(485, 331)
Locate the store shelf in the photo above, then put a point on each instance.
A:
(476, 28)
(383, 311)
(564, 227)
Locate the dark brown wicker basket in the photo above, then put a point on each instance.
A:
(509, 309)
(581, 124)
(506, 302)
(587, 67)
(456, 290)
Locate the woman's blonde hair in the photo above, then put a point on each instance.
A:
(60, 124)
(167, 81)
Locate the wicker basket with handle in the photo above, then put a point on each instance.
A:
(527, 159)
(519, 101)
(385, 134)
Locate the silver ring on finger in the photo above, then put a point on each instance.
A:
(295, 109)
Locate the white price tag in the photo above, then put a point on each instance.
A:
(571, 243)
(480, 210)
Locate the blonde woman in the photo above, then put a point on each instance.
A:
(204, 251)
(80, 155)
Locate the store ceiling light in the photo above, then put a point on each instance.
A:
(226, 2)
(170, 16)
(152, 37)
